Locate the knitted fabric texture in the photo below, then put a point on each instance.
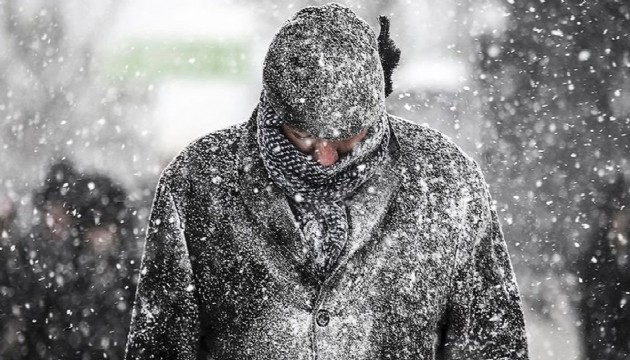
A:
(323, 73)
(318, 192)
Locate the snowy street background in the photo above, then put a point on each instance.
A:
(537, 91)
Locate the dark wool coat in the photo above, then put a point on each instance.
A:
(425, 273)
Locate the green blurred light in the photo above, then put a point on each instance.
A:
(202, 59)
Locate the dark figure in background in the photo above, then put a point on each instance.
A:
(8, 267)
(605, 273)
(74, 288)
(108, 263)
(36, 257)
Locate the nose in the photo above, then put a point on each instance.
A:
(326, 153)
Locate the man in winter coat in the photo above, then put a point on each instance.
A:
(325, 228)
(70, 288)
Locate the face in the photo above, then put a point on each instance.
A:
(324, 151)
(58, 219)
(102, 238)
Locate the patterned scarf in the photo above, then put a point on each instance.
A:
(317, 193)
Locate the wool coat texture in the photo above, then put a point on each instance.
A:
(227, 273)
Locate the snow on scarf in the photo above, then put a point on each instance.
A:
(318, 192)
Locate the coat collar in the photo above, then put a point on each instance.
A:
(270, 208)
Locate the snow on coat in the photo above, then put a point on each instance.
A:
(227, 274)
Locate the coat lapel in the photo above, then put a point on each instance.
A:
(269, 206)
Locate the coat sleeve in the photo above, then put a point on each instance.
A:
(164, 322)
(484, 317)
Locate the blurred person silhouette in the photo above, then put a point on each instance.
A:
(604, 269)
(75, 280)
(9, 322)
(43, 261)
(107, 260)
(325, 227)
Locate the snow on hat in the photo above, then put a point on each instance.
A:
(323, 75)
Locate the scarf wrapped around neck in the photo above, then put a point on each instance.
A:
(318, 193)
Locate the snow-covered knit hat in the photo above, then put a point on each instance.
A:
(323, 74)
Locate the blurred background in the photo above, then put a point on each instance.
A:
(96, 97)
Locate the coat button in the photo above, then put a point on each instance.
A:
(322, 318)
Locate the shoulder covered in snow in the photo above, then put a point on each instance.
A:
(432, 155)
(439, 176)
(210, 158)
